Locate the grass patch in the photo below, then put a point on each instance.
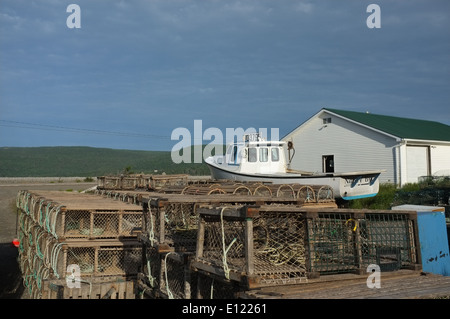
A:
(428, 193)
(383, 200)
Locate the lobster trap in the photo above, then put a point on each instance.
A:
(210, 286)
(130, 197)
(171, 223)
(108, 259)
(172, 220)
(280, 245)
(122, 182)
(170, 275)
(42, 257)
(305, 194)
(57, 230)
(100, 223)
(167, 275)
(81, 216)
(132, 182)
(348, 241)
(253, 246)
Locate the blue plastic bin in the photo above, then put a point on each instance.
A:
(433, 238)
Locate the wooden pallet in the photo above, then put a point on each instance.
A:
(402, 284)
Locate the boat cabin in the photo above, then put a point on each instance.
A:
(256, 155)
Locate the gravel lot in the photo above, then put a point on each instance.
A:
(11, 286)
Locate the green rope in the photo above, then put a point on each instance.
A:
(226, 269)
(211, 293)
(27, 210)
(55, 216)
(33, 203)
(47, 221)
(151, 279)
(40, 221)
(54, 258)
(38, 248)
(169, 292)
(151, 234)
(141, 293)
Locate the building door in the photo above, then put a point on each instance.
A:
(417, 162)
(328, 163)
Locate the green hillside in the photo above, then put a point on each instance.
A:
(88, 162)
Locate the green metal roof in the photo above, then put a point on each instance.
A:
(399, 126)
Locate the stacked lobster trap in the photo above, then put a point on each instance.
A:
(303, 193)
(169, 240)
(171, 237)
(254, 246)
(344, 241)
(141, 181)
(58, 230)
(200, 240)
(279, 245)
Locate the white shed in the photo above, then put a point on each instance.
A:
(338, 141)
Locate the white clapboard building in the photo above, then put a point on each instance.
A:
(337, 141)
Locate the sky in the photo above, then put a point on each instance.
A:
(136, 71)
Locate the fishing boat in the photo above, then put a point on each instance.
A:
(255, 159)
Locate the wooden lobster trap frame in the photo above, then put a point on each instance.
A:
(270, 245)
(95, 288)
(171, 220)
(60, 229)
(166, 275)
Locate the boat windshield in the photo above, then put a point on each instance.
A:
(264, 153)
(233, 154)
(252, 154)
(275, 152)
(261, 154)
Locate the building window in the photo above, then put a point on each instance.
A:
(327, 120)
(328, 163)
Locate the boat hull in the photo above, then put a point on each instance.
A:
(347, 186)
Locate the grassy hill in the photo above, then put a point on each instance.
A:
(88, 162)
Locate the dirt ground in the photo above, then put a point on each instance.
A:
(11, 286)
